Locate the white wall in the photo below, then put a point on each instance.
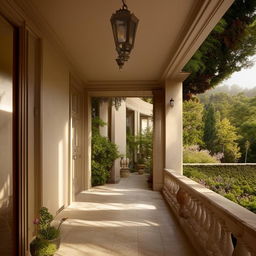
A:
(55, 117)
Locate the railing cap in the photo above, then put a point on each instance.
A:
(239, 218)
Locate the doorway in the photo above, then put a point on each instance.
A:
(124, 120)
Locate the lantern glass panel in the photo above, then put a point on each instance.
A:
(132, 32)
(121, 28)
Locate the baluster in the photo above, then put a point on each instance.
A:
(226, 242)
(217, 231)
(194, 218)
(211, 235)
(241, 249)
(203, 224)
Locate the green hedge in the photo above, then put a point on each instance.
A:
(237, 183)
(104, 153)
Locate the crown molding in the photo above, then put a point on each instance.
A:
(119, 93)
(206, 15)
(178, 77)
(123, 85)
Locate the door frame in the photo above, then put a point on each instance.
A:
(22, 125)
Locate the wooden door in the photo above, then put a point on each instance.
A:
(76, 142)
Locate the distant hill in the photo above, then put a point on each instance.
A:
(231, 90)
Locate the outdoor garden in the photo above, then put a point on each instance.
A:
(219, 120)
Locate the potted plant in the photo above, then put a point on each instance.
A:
(47, 240)
(141, 165)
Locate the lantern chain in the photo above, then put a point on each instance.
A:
(124, 5)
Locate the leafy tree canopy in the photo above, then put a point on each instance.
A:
(227, 49)
(192, 123)
(226, 140)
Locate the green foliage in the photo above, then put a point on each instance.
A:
(46, 231)
(148, 99)
(47, 238)
(239, 111)
(192, 154)
(226, 50)
(192, 123)
(39, 247)
(226, 138)
(210, 128)
(237, 183)
(104, 152)
(141, 144)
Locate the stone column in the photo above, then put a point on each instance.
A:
(118, 136)
(158, 139)
(173, 124)
(136, 122)
(103, 112)
(88, 138)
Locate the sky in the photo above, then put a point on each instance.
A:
(246, 78)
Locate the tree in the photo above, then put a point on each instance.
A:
(247, 146)
(192, 123)
(226, 50)
(226, 141)
(210, 128)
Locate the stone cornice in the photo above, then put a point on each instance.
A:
(207, 15)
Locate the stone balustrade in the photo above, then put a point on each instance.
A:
(215, 225)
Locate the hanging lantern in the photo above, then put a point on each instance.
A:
(124, 26)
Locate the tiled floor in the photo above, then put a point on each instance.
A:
(122, 219)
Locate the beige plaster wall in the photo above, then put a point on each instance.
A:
(55, 117)
(173, 126)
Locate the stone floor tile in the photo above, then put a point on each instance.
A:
(125, 219)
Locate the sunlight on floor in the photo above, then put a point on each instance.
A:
(122, 219)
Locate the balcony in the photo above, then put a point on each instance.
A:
(220, 227)
(66, 56)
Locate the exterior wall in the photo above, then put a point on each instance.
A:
(55, 119)
(173, 126)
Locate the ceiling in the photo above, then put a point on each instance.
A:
(83, 27)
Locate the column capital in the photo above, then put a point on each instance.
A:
(177, 78)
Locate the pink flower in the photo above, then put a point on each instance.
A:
(36, 221)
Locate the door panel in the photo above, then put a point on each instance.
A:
(76, 139)
(7, 188)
